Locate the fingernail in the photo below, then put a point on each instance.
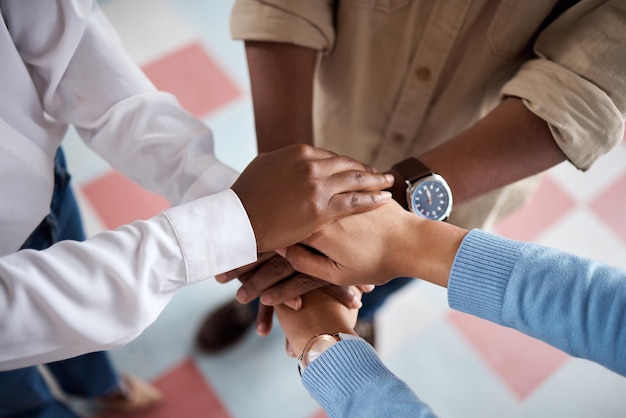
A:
(385, 195)
(357, 303)
(281, 252)
(267, 300)
(220, 278)
(261, 330)
(390, 178)
(294, 304)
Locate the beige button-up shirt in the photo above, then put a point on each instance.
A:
(398, 77)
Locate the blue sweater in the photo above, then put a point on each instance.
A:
(514, 284)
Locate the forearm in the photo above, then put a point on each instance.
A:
(572, 303)
(78, 297)
(509, 144)
(349, 380)
(281, 77)
(88, 80)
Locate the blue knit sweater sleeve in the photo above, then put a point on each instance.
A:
(349, 380)
(572, 303)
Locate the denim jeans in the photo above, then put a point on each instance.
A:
(23, 392)
(375, 299)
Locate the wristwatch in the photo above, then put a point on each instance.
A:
(318, 344)
(426, 193)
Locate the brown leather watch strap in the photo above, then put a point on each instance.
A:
(409, 170)
(412, 169)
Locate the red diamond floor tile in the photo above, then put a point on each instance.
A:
(193, 77)
(522, 362)
(185, 395)
(547, 205)
(610, 207)
(119, 201)
(319, 414)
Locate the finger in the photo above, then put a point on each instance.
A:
(289, 349)
(354, 181)
(297, 285)
(313, 264)
(233, 274)
(295, 303)
(264, 320)
(345, 295)
(341, 163)
(267, 275)
(345, 204)
(366, 288)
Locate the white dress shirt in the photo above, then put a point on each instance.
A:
(62, 63)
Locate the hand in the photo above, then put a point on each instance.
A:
(320, 313)
(358, 249)
(377, 246)
(291, 193)
(274, 280)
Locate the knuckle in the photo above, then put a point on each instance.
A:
(354, 164)
(306, 149)
(278, 266)
(301, 150)
(354, 200)
(304, 282)
(310, 168)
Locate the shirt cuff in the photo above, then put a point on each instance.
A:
(480, 274)
(301, 23)
(584, 121)
(214, 235)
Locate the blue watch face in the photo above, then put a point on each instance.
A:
(431, 200)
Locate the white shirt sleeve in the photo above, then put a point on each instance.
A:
(79, 297)
(84, 77)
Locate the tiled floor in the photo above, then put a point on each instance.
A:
(462, 366)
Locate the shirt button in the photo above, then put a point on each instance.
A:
(422, 73)
(398, 139)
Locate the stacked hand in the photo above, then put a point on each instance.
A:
(357, 253)
(293, 192)
(320, 314)
(331, 251)
(275, 281)
(377, 246)
(289, 194)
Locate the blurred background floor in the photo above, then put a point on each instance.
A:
(185, 48)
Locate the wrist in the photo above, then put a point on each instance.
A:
(299, 340)
(318, 345)
(320, 314)
(435, 245)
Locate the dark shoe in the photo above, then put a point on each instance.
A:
(366, 329)
(137, 395)
(225, 327)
